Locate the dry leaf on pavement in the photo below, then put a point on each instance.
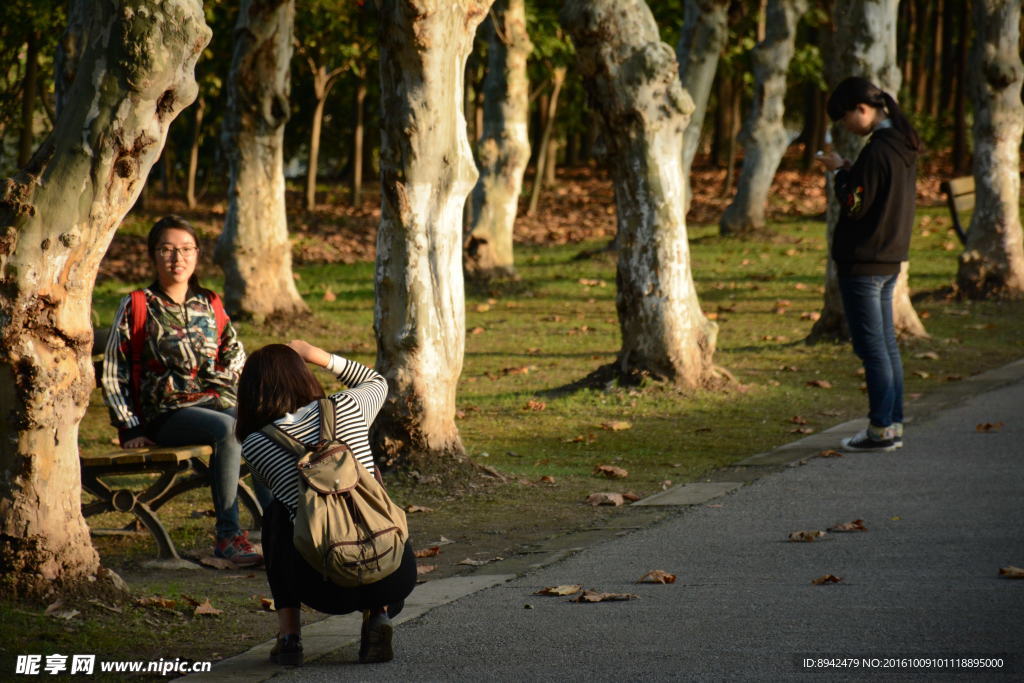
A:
(990, 426)
(595, 596)
(478, 563)
(805, 536)
(425, 569)
(615, 499)
(630, 496)
(568, 589)
(428, 552)
(855, 525)
(827, 578)
(829, 453)
(657, 576)
(611, 471)
(1012, 572)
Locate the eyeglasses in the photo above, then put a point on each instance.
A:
(186, 253)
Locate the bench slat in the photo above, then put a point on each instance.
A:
(141, 456)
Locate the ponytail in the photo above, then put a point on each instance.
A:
(855, 90)
(900, 122)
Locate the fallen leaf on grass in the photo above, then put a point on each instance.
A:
(829, 453)
(206, 609)
(579, 438)
(1012, 572)
(927, 355)
(411, 509)
(521, 370)
(594, 596)
(611, 471)
(630, 496)
(855, 525)
(267, 605)
(990, 426)
(827, 578)
(109, 608)
(810, 315)
(666, 484)
(615, 499)
(535, 405)
(57, 610)
(329, 295)
(425, 569)
(820, 383)
(482, 308)
(657, 576)
(428, 552)
(156, 601)
(546, 479)
(922, 374)
(217, 562)
(801, 430)
(616, 425)
(569, 589)
(477, 330)
(954, 378)
(588, 282)
(796, 419)
(805, 536)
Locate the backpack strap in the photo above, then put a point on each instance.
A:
(140, 309)
(285, 440)
(327, 419)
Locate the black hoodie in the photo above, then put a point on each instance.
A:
(877, 200)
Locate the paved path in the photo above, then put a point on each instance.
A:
(943, 514)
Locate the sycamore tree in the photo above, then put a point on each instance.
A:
(132, 77)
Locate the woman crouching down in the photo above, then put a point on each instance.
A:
(276, 387)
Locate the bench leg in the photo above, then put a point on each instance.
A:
(167, 551)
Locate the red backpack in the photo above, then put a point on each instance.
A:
(140, 310)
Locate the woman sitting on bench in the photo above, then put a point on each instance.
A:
(170, 372)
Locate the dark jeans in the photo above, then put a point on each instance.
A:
(867, 301)
(293, 581)
(217, 428)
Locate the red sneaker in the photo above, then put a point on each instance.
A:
(239, 550)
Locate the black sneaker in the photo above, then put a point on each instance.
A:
(375, 639)
(864, 441)
(287, 650)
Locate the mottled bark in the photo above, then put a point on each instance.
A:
(504, 149)
(631, 78)
(705, 30)
(864, 44)
(765, 137)
(253, 250)
(427, 171)
(992, 264)
(134, 74)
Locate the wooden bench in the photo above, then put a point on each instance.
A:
(179, 470)
(960, 199)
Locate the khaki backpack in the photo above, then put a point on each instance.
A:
(345, 524)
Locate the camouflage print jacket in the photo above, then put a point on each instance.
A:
(183, 364)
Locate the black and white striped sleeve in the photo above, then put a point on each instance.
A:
(367, 388)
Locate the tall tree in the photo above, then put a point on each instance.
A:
(427, 170)
(993, 260)
(632, 79)
(765, 137)
(253, 249)
(864, 44)
(705, 29)
(134, 75)
(504, 149)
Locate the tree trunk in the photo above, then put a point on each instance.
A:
(732, 131)
(314, 138)
(705, 30)
(765, 137)
(427, 170)
(992, 264)
(935, 61)
(28, 100)
(557, 79)
(253, 249)
(504, 150)
(193, 157)
(357, 143)
(961, 157)
(69, 51)
(865, 45)
(631, 78)
(110, 132)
